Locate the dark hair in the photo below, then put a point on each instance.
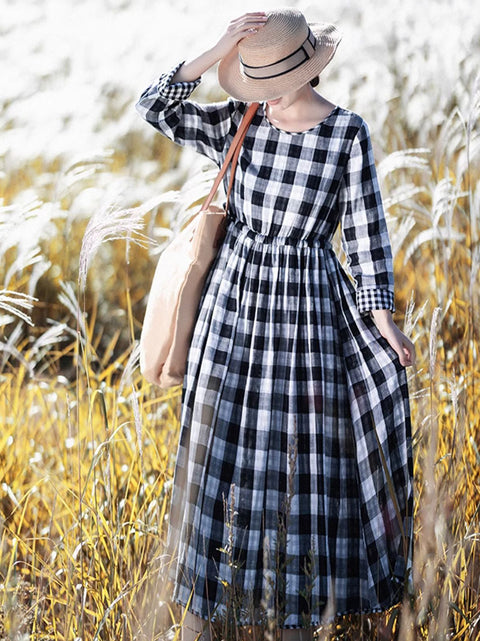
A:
(314, 81)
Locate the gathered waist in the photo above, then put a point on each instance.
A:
(312, 241)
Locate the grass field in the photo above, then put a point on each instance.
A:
(88, 194)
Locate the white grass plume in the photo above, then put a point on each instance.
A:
(403, 159)
(69, 299)
(113, 222)
(55, 334)
(8, 350)
(13, 302)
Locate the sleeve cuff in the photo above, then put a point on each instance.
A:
(177, 90)
(368, 299)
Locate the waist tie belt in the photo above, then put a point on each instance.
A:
(315, 241)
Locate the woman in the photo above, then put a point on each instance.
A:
(293, 480)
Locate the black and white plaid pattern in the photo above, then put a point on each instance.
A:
(285, 353)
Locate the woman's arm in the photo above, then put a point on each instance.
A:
(367, 245)
(364, 230)
(236, 30)
(206, 128)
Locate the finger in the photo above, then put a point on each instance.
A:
(411, 356)
(243, 26)
(408, 354)
(252, 30)
(243, 31)
(252, 14)
(402, 351)
(250, 18)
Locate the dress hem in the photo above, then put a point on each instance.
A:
(315, 623)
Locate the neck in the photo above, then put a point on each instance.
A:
(298, 110)
(293, 105)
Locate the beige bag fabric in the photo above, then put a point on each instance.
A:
(178, 281)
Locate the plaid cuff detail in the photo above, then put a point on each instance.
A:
(368, 299)
(177, 90)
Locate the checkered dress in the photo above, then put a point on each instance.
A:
(293, 478)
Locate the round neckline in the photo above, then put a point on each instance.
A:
(293, 133)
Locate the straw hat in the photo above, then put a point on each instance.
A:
(280, 57)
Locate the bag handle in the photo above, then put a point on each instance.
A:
(233, 153)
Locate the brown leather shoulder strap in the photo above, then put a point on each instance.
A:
(232, 155)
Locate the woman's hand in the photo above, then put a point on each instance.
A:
(239, 28)
(402, 345)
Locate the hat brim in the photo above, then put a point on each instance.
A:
(239, 86)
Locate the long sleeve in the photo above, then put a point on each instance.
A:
(205, 127)
(365, 238)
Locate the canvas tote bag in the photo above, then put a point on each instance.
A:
(179, 277)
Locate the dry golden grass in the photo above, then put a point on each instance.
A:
(83, 507)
